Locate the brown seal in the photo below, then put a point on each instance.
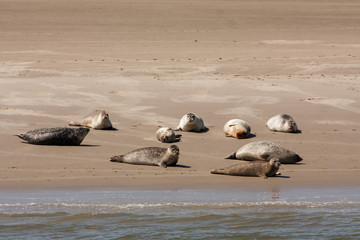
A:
(155, 156)
(100, 122)
(253, 169)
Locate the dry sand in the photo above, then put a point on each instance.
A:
(149, 62)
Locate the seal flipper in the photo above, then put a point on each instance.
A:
(22, 136)
(72, 123)
(117, 158)
(231, 156)
(178, 137)
(163, 165)
(266, 156)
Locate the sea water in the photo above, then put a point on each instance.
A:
(181, 214)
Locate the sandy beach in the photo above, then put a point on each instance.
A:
(149, 63)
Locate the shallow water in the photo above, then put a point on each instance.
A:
(183, 214)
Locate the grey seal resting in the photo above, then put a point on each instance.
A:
(154, 156)
(237, 128)
(167, 135)
(253, 169)
(282, 123)
(263, 151)
(190, 122)
(55, 136)
(100, 122)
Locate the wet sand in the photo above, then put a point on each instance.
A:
(148, 64)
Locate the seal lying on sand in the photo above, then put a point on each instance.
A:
(155, 156)
(167, 135)
(55, 136)
(253, 169)
(190, 122)
(237, 128)
(100, 121)
(263, 151)
(282, 123)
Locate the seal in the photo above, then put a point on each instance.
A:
(100, 122)
(154, 156)
(55, 136)
(282, 123)
(263, 151)
(167, 135)
(253, 169)
(190, 122)
(237, 128)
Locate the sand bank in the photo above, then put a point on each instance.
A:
(147, 64)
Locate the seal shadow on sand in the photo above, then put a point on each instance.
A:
(202, 131)
(48, 145)
(111, 129)
(251, 135)
(281, 176)
(181, 166)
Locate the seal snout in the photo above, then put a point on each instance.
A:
(240, 134)
(298, 158)
(174, 149)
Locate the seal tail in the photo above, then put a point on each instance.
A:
(72, 123)
(217, 171)
(22, 136)
(117, 158)
(231, 156)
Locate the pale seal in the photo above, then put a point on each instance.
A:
(263, 151)
(100, 122)
(167, 135)
(154, 156)
(190, 122)
(282, 123)
(55, 136)
(253, 169)
(237, 128)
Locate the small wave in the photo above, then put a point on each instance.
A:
(56, 209)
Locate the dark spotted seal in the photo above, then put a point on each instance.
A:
(253, 169)
(282, 123)
(263, 151)
(55, 136)
(155, 156)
